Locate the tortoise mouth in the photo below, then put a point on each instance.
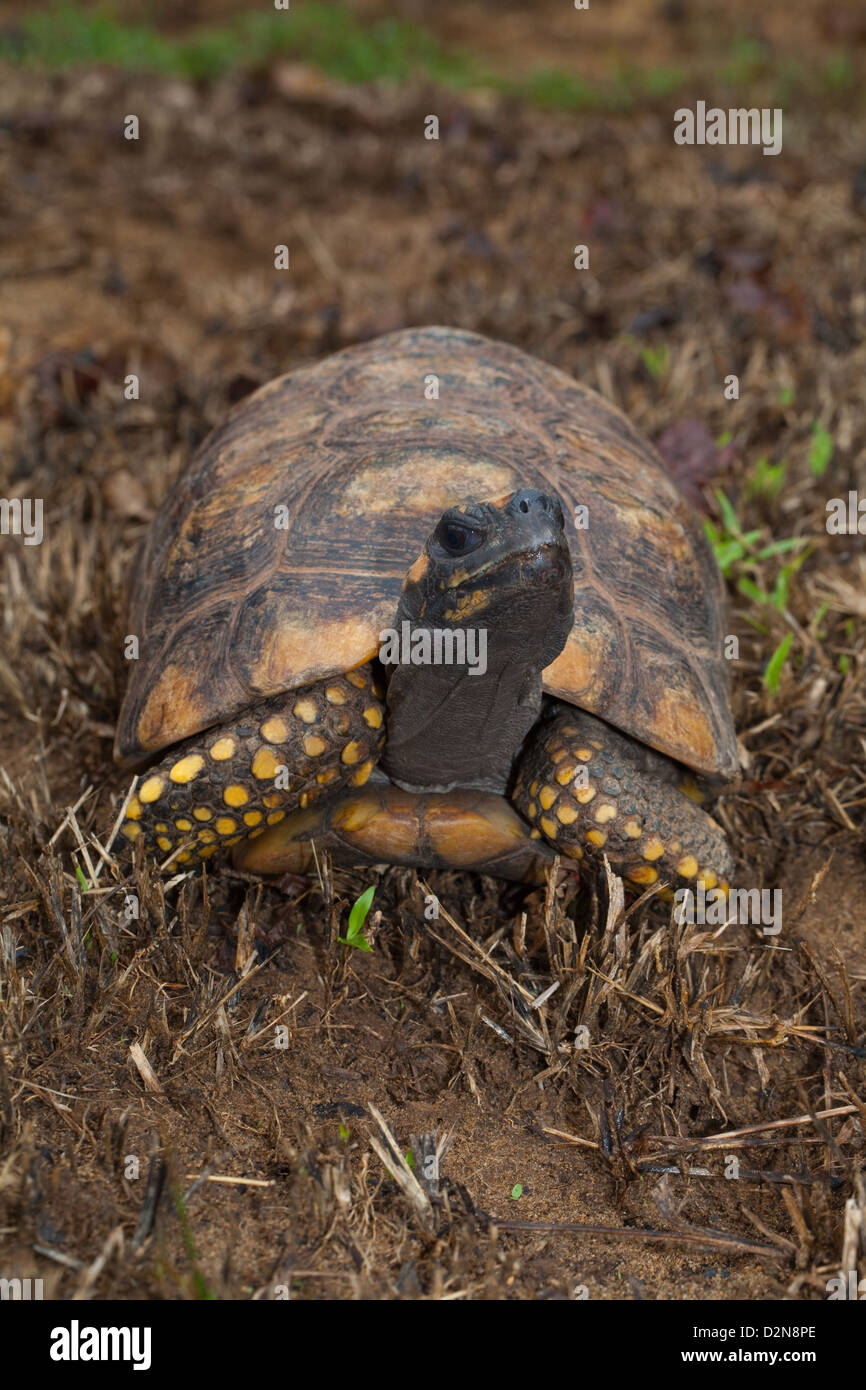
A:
(542, 566)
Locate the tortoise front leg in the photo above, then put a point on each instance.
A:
(591, 791)
(278, 756)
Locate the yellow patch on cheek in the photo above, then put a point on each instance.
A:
(596, 837)
(236, 795)
(314, 746)
(688, 866)
(632, 829)
(584, 795)
(164, 844)
(352, 753)
(418, 569)
(225, 825)
(548, 826)
(566, 814)
(642, 873)
(373, 717)
(605, 813)
(360, 777)
(133, 810)
(130, 830)
(306, 711)
(546, 796)
(252, 817)
(202, 813)
(223, 748)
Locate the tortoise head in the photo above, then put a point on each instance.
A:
(502, 566)
(486, 606)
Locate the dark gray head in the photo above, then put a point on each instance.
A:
(485, 608)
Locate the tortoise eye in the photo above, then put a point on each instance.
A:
(457, 538)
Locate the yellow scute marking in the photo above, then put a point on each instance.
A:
(310, 650)
(172, 709)
(681, 724)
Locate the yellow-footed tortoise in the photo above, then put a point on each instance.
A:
(428, 602)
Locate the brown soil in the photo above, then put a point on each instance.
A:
(156, 258)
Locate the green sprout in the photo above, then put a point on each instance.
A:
(740, 556)
(656, 360)
(767, 479)
(776, 662)
(517, 1192)
(821, 450)
(357, 917)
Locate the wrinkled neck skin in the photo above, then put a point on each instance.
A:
(448, 728)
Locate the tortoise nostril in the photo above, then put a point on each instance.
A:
(524, 505)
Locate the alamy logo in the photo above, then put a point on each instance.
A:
(21, 518)
(737, 126)
(842, 1289)
(846, 519)
(434, 646)
(20, 1290)
(77, 1343)
(753, 907)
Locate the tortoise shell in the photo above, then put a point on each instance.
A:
(280, 553)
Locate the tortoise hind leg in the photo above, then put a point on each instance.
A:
(276, 757)
(593, 791)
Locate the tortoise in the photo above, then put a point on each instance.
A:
(429, 602)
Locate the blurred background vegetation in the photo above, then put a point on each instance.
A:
(630, 52)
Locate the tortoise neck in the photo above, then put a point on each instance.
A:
(451, 728)
(462, 699)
